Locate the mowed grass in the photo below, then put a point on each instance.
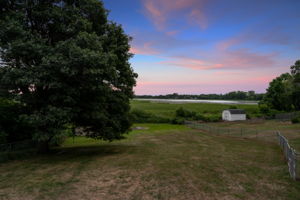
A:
(266, 128)
(168, 110)
(160, 161)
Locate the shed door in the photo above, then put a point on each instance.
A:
(226, 116)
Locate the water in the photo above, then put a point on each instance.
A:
(181, 101)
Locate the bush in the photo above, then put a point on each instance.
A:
(232, 107)
(264, 109)
(140, 116)
(296, 120)
(191, 115)
(213, 118)
(178, 120)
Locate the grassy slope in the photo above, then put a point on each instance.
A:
(168, 109)
(162, 162)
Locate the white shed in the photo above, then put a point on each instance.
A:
(234, 115)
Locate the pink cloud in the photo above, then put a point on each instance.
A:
(157, 15)
(197, 16)
(159, 11)
(244, 58)
(145, 49)
(172, 33)
(192, 63)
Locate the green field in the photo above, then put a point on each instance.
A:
(167, 110)
(161, 161)
(263, 127)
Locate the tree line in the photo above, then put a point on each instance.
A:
(234, 95)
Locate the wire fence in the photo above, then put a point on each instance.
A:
(291, 156)
(266, 135)
(286, 116)
(27, 144)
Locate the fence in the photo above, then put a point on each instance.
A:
(286, 116)
(235, 132)
(291, 156)
(16, 146)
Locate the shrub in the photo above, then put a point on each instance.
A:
(191, 115)
(178, 120)
(296, 120)
(264, 109)
(185, 113)
(232, 107)
(140, 116)
(213, 118)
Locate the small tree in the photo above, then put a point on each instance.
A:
(68, 65)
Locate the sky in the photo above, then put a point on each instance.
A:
(208, 46)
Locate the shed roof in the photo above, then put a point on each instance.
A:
(236, 111)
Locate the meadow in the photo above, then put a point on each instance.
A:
(157, 161)
(167, 110)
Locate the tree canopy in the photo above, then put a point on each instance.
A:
(68, 65)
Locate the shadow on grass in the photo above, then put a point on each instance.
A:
(60, 154)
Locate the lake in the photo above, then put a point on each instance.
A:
(179, 101)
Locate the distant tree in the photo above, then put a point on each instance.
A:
(67, 64)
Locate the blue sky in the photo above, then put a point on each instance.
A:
(209, 46)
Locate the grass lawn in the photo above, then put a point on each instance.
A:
(160, 161)
(266, 128)
(167, 110)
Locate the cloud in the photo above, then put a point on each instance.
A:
(144, 49)
(191, 63)
(197, 16)
(160, 11)
(244, 58)
(225, 59)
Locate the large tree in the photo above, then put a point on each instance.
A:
(284, 91)
(279, 93)
(67, 64)
(295, 71)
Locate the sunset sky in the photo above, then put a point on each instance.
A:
(209, 46)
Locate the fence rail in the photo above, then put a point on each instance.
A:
(292, 157)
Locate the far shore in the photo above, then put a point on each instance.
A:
(200, 101)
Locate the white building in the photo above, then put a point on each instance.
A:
(233, 115)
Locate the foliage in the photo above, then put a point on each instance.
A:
(279, 93)
(68, 64)
(140, 116)
(183, 114)
(12, 127)
(283, 93)
(296, 120)
(295, 71)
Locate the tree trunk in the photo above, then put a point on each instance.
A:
(43, 147)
